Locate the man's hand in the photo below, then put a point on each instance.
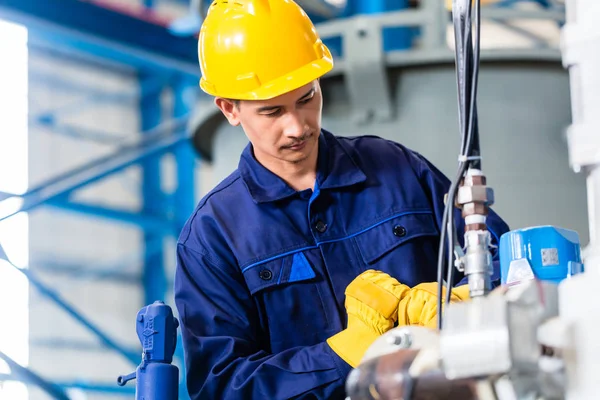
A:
(372, 301)
(419, 306)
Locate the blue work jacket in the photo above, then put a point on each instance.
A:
(262, 268)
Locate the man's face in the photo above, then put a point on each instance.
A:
(284, 129)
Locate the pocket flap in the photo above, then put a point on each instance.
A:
(387, 235)
(282, 270)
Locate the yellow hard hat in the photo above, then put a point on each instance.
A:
(259, 49)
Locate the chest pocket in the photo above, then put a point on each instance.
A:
(404, 246)
(291, 295)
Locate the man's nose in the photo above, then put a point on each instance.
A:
(295, 125)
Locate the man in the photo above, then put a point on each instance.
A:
(292, 266)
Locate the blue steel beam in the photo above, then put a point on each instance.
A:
(26, 375)
(130, 355)
(148, 222)
(184, 199)
(184, 94)
(83, 272)
(83, 385)
(157, 142)
(64, 84)
(136, 39)
(57, 343)
(104, 388)
(154, 278)
(48, 121)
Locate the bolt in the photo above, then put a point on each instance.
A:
(402, 340)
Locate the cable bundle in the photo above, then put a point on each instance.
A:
(467, 46)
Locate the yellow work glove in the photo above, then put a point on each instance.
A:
(372, 300)
(419, 306)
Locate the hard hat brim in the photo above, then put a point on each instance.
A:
(284, 84)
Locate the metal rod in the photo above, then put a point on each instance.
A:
(28, 375)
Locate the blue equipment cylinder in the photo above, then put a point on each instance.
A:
(157, 381)
(545, 253)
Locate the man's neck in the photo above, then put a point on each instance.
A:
(299, 176)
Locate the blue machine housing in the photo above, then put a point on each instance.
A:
(157, 378)
(546, 253)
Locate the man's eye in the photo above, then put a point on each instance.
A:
(273, 113)
(305, 101)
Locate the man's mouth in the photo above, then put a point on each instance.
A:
(298, 145)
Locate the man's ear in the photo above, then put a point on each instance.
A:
(230, 110)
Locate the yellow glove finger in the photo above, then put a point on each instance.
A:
(412, 308)
(377, 290)
(361, 313)
(459, 293)
(419, 306)
(385, 281)
(371, 303)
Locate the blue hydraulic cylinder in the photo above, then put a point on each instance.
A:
(545, 253)
(157, 378)
(397, 38)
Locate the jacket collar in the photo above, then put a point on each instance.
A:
(335, 169)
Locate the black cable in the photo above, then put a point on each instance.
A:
(467, 71)
(472, 141)
(459, 32)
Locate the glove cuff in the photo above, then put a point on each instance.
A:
(351, 344)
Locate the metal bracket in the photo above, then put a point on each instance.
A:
(365, 71)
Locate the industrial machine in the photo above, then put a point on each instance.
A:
(536, 336)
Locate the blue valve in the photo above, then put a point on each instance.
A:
(545, 253)
(157, 378)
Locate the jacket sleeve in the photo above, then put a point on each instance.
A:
(226, 351)
(437, 185)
